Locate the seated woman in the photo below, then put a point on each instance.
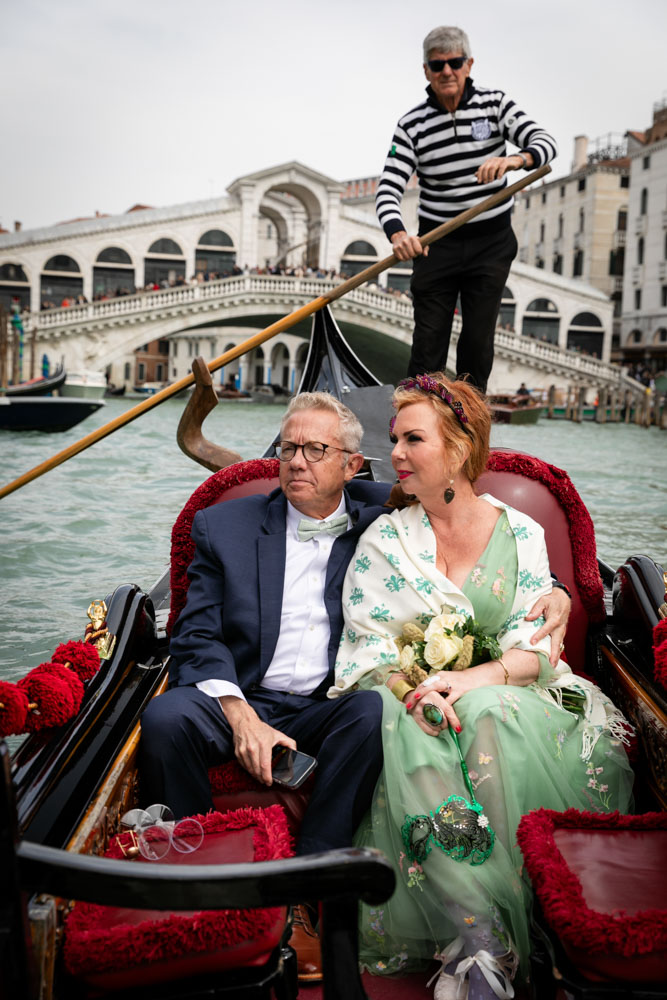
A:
(532, 735)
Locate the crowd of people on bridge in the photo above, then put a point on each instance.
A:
(202, 277)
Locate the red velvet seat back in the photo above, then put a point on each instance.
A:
(259, 475)
(547, 494)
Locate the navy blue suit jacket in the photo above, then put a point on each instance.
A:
(229, 626)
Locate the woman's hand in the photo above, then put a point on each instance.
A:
(555, 607)
(440, 690)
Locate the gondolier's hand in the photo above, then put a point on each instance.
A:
(406, 247)
(497, 166)
(556, 608)
(254, 740)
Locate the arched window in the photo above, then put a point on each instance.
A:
(541, 305)
(643, 202)
(640, 250)
(14, 287)
(622, 220)
(113, 274)
(357, 257)
(12, 272)
(61, 282)
(660, 336)
(635, 337)
(61, 262)
(541, 321)
(212, 259)
(586, 334)
(215, 238)
(113, 255)
(165, 245)
(167, 267)
(582, 220)
(361, 248)
(507, 310)
(578, 264)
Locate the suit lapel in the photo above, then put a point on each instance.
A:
(271, 577)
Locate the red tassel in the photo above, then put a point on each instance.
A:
(14, 712)
(82, 657)
(57, 692)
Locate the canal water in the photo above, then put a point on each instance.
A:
(104, 517)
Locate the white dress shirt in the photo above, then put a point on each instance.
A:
(300, 660)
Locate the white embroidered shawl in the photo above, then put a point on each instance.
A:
(393, 579)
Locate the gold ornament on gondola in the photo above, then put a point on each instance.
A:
(97, 632)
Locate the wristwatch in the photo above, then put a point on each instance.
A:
(561, 586)
(524, 159)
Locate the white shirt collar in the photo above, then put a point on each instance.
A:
(294, 515)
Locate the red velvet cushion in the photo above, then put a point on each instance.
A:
(602, 884)
(233, 787)
(114, 948)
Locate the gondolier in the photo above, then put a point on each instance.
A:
(456, 142)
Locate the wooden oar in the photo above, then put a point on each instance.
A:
(282, 324)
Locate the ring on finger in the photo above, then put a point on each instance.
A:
(433, 715)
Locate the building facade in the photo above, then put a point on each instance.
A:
(576, 226)
(643, 342)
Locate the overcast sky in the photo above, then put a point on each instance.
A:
(106, 104)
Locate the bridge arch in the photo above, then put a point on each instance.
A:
(61, 281)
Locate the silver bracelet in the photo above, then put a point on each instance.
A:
(524, 159)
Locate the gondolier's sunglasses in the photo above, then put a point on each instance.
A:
(313, 451)
(437, 65)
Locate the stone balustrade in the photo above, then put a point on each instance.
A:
(391, 311)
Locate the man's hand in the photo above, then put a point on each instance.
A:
(497, 166)
(556, 608)
(406, 247)
(254, 740)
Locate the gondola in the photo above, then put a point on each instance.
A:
(43, 385)
(45, 413)
(65, 789)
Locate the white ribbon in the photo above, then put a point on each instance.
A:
(452, 951)
(491, 967)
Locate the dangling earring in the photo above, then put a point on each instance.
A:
(449, 493)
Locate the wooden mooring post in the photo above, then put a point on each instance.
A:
(551, 402)
(601, 408)
(4, 346)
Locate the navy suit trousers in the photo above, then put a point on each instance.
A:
(184, 732)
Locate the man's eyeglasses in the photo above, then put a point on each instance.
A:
(437, 65)
(313, 451)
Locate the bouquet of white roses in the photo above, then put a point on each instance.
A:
(449, 641)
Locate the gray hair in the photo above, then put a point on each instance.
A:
(350, 431)
(447, 39)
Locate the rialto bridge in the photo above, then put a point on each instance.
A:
(158, 274)
(209, 317)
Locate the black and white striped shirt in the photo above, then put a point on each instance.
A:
(446, 149)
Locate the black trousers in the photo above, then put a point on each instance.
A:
(476, 268)
(184, 732)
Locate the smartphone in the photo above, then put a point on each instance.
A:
(291, 767)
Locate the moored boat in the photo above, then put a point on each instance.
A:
(515, 409)
(40, 386)
(44, 413)
(85, 385)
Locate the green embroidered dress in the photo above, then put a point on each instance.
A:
(523, 750)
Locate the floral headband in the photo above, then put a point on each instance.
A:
(427, 384)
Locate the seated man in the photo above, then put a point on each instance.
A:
(253, 650)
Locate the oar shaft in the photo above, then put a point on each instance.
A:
(278, 327)
(159, 397)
